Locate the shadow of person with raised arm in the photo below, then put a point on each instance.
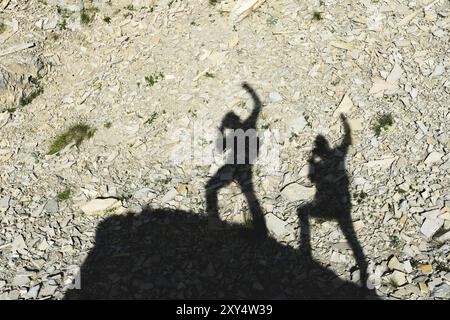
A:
(332, 199)
(172, 254)
(242, 144)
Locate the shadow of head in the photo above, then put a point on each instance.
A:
(231, 121)
(163, 254)
(321, 146)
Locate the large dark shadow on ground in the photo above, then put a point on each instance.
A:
(168, 254)
(164, 254)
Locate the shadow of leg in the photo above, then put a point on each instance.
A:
(259, 223)
(244, 178)
(350, 234)
(221, 179)
(305, 238)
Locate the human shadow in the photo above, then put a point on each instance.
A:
(174, 254)
(332, 200)
(243, 146)
(169, 254)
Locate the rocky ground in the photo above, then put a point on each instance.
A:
(150, 81)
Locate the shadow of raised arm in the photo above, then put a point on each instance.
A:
(250, 122)
(347, 140)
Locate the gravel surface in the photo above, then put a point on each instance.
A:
(108, 110)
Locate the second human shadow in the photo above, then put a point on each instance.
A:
(332, 200)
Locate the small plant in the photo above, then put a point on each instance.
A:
(392, 282)
(153, 79)
(124, 197)
(76, 133)
(88, 15)
(213, 2)
(441, 266)
(272, 21)
(107, 19)
(209, 75)
(395, 242)
(152, 118)
(63, 25)
(54, 36)
(129, 7)
(2, 27)
(63, 12)
(85, 18)
(414, 263)
(383, 122)
(401, 191)
(193, 113)
(359, 197)
(293, 137)
(27, 99)
(317, 16)
(108, 125)
(63, 196)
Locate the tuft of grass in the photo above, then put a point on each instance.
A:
(317, 16)
(107, 19)
(154, 78)
(108, 125)
(359, 197)
(152, 118)
(414, 263)
(85, 18)
(54, 36)
(395, 242)
(88, 15)
(193, 113)
(63, 25)
(392, 282)
(272, 20)
(25, 100)
(441, 266)
(63, 12)
(2, 27)
(383, 122)
(63, 196)
(76, 133)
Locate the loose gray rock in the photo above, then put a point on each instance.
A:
(297, 192)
